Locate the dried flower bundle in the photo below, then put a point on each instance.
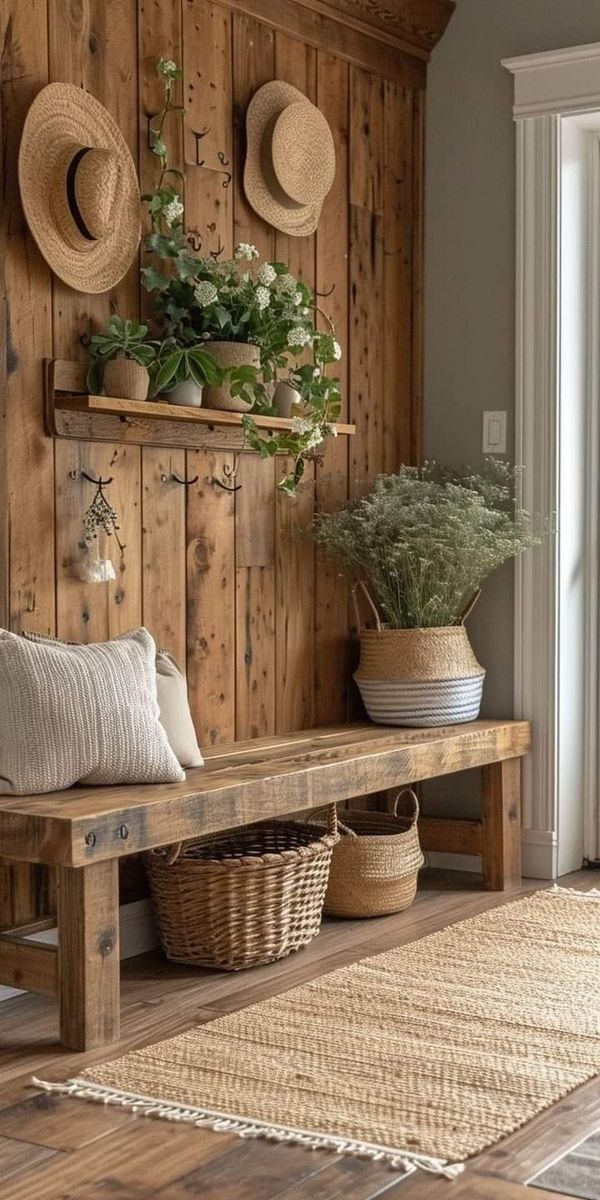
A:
(424, 540)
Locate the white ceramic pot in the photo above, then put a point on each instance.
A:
(187, 393)
(286, 399)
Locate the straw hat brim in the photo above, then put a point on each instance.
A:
(261, 191)
(63, 114)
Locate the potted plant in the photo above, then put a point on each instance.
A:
(183, 372)
(255, 319)
(121, 355)
(420, 545)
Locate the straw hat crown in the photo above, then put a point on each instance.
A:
(290, 160)
(79, 188)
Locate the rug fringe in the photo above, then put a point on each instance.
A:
(400, 1160)
(591, 894)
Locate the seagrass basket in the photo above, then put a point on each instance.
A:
(245, 897)
(375, 864)
(418, 677)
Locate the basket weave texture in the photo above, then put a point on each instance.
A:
(247, 897)
(416, 655)
(126, 378)
(375, 865)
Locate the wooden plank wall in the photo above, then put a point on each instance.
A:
(226, 582)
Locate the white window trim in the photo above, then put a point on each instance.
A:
(556, 650)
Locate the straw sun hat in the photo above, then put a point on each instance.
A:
(290, 159)
(79, 188)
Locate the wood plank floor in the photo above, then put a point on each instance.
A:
(56, 1149)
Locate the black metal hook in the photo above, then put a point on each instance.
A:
(101, 483)
(229, 473)
(175, 478)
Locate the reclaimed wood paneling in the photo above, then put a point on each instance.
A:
(225, 581)
(332, 280)
(27, 594)
(253, 65)
(211, 595)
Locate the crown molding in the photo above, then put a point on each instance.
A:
(417, 24)
(556, 81)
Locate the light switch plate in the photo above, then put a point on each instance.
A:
(494, 433)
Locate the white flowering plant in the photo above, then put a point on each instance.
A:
(198, 300)
(424, 540)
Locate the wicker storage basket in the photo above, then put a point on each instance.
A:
(418, 677)
(245, 897)
(375, 864)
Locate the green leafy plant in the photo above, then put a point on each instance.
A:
(119, 339)
(175, 363)
(424, 540)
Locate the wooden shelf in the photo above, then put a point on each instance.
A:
(72, 412)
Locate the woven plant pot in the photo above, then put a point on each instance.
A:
(244, 898)
(375, 864)
(230, 354)
(419, 677)
(125, 378)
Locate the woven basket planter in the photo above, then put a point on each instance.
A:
(419, 677)
(375, 865)
(127, 379)
(230, 354)
(245, 897)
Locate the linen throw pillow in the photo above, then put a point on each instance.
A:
(174, 706)
(80, 714)
(175, 715)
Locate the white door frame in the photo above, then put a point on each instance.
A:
(557, 113)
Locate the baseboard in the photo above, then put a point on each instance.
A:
(540, 851)
(138, 936)
(539, 848)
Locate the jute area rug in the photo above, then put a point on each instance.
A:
(421, 1056)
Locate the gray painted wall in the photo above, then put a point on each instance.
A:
(470, 256)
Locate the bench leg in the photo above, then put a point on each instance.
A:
(501, 817)
(88, 955)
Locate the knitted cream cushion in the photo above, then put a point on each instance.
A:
(80, 714)
(174, 706)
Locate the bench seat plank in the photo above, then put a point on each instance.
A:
(245, 782)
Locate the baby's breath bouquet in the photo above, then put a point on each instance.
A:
(424, 540)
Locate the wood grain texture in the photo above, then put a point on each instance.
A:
(501, 815)
(163, 541)
(106, 1152)
(332, 280)
(208, 97)
(88, 955)
(419, 22)
(268, 778)
(27, 592)
(451, 836)
(217, 579)
(211, 599)
(29, 966)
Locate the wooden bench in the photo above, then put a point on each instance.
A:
(85, 831)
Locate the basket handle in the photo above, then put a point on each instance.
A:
(371, 602)
(345, 829)
(172, 853)
(332, 820)
(469, 606)
(407, 791)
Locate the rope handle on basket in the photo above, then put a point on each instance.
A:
(469, 606)
(172, 853)
(407, 791)
(371, 602)
(414, 816)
